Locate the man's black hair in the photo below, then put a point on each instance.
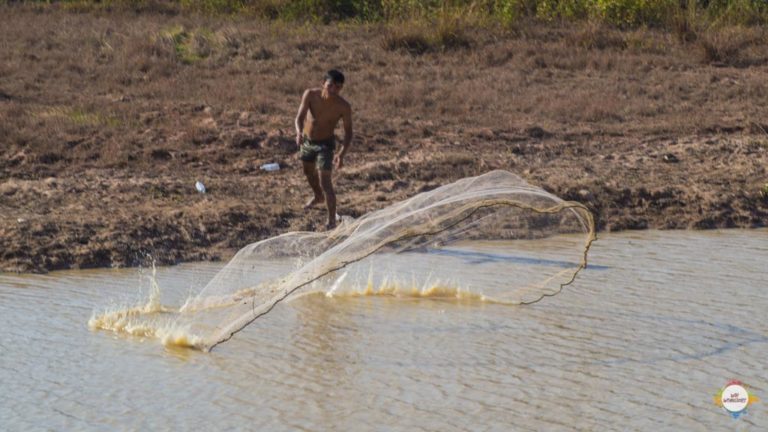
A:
(334, 76)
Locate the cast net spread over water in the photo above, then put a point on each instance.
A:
(488, 238)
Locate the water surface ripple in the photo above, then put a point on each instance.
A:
(641, 341)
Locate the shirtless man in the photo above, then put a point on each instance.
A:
(317, 141)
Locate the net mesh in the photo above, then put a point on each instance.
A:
(490, 238)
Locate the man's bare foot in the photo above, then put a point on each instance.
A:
(311, 203)
(330, 227)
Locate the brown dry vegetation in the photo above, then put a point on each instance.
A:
(107, 121)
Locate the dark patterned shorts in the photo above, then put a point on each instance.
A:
(320, 151)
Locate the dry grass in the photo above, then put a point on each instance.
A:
(734, 46)
(442, 34)
(597, 36)
(124, 82)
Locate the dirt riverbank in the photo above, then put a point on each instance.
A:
(108, 121)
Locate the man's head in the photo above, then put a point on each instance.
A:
(334, 81)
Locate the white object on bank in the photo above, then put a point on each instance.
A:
(271, 166)
(200, 186)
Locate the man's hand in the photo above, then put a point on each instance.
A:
(339, 161)
(298, 140)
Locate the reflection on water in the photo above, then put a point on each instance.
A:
(643, 339)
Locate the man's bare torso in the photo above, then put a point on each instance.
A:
(324, 115)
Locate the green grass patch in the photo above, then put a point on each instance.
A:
(189, 46)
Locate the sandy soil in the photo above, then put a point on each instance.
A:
(98, 169)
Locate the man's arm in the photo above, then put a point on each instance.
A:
(346, 118)
(301, 117)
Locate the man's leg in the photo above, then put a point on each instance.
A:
(310, 170)
(326, 181)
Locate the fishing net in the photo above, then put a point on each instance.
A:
(491, 238)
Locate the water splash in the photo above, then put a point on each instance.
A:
(147, 319)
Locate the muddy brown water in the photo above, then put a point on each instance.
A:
(643, 340)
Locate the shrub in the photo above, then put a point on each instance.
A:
(632, 13)
(736, 12)
(214, 6)
(563, 9)
(329, 10)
